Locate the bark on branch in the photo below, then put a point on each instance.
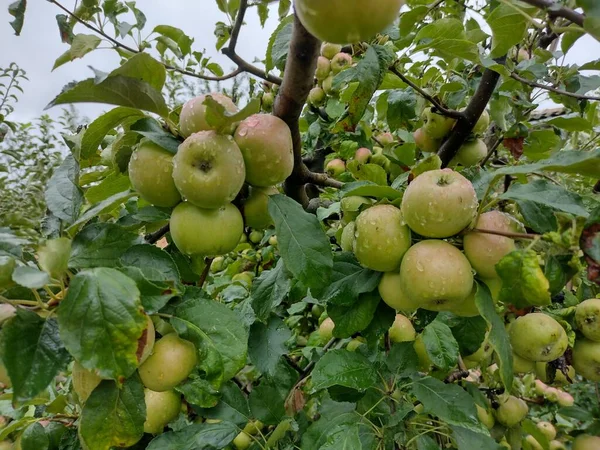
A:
(557, 10)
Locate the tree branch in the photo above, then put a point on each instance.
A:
(471, 115)
(552, 89)
(557, 10)
(153, 238)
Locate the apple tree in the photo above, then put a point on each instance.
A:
(385, 243)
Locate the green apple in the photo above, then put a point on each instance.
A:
(256, 207)
(425, 362)
(242, 441)
(425, 142)
(327, 85)
(245, 278)
(485, 250)
(481, 356)
(253, 427)
(533, 443)
(6, 445)
(556, 445)
(352, 205)
(436, 275)
(381, 160)
(329, 50)
(362, 155)
(161, 408)
(485, 417)
(538, 337)
(504, 444)
(390, 289)
(586, 359)
(482, 124)
(495, 286)
(53, 256)
(436, 125)
(511, 411)
(266, 144)
(7, 266)
(323, 68)
(217, 264)
(439, 203)
(256, 236)
(386, 139)
(335, 167)
(402, 330)
(209, 169)
(151, 175)
(343, 21)
(522, 365)
(316, 96)
(273, 241)
(354, 344)
(470, 153)
(586, 442)
(268, 99)
(347, 238)
(468, 308)
(587, 318)
(340, 62)
(171, 363)
(193, 114)
(326, 329)
(220, 229)
(541, 372)
(84, 381)
(381, 238)
(547, 429)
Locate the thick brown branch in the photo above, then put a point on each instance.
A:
(552, 89)
(557, 10)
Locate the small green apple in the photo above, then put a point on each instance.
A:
(538, 337)
(273, 241)
(323, 68)
(390, 289)
(439, 203)
(242, 441)
(495, 286)
(587, 318)
(327, 85)
(560, 378)
(436, 125)
(362, 155)
(53, 256)
(402, 330)
(482, 124)
(354, 344)
(547, 429)
(253, 427)
(316, 96)
(533, 443)
(523, 55)
(586, 442)
(470, 153)
(347, 238)
(436, 275)
(245, 278)
(268, 99)
(481, 356)
(161, 408)
(386, 139)
(381, 238)
(382, 161)
(217, 264)
(522, 365)
(485, 417)
(340, 62)
(266, 144)
(329, 50)
(468, 308)
(425, 362)
(193, 114)
(256, 207)
(511, 411)
(256, 236)
(586, 359)
(556, 445)
(425, 142)
(335, 167)
(326, 329)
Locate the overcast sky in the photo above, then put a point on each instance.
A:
(39, 45)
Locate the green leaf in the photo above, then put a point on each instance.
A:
(558, 271)
(537, 216)
(447, 37)
(17, 10)
(498, 338)
(152, 130)
(103, 207)
(232, 407)
(336, 416)
(101, 320)
(101, 245)
(154, 294)
(523, 281)
(115, 183)
(343, 368)
(198, 392)
(30, 277)
(63, 195)
(571, 123)
(468, 440)
(279, 45)
(32, 353)
(183, 41)
(113, 416)
(344, 437)
(441, 345)
(99, 128)
(352, 319)
(196, 436)
(402, 359)
(348, 280)
(10, 244)
(267, 344)
(53, 256)
(303, 245)
(219, 118)
(155, 263)
(368, 172)
(401, 108)
(145, 68)
(449, 402)
(267, 402)
(34, 438)
(469, 332)
(269, 290)
(81, 45)
(369, 189)
(508, 26)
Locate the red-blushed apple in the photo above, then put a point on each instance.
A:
(256, 207)
(335, 167)
(171, 363)
(323, 68)
(482, 124)
(547, 429)
(439, 203)
(340, 62)
(316, 96)
(540, 387)
(587, 318)
(586, 442)
(209, 169)
(402, 330)
(206, 232)
(347, 238)
(84, 381)
(470, 153)
(565, 399)
(436, 125)
(436, 275)
(151, 175)
(161, 408)
(329, 50)
(266, 144)
(538, 337)
(586, 359)
(425, 142)
(193, 114)
(511, 411)
(385, 139)
(390, 289)
(362, 155)
(381, 238)
(485, 250)
(346, 21)
(326, 329)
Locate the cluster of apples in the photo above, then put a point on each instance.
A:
(208, 172)
(331, 62)
(436, 128)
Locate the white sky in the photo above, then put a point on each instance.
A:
(39, 45)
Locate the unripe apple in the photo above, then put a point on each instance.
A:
(425, 362)
(385, 139)
(6, 312)
(485, 250)
(439, 203)
(541, 372)
(511, 411)
(53, 256)
(390, 289)
(323, 68)
(347, 239)
(504, 444)
(468, 308)
(352, 205)
(552, 394)
(217, 264)
(84, 381)
(273, 241)
(193, 114)
(316, 96)
(326, 329)
(547, 429)
(523, 55)
(482, 124)
(402, 330)
(256, 207)
(436, 275)
(482, 355)
(327, 85)
(470, 153)
(220, 229)
(340, 62)
(495, 286)
(587, 317)
(425, 142)
(256, 236)
(586, 442)
(436, 125)
(556, 445)
(151, 175)
(538, 337)
(161, 408)
(341, 22)
(316, 311)
(244, 278)
(485, 417)
(382, 161)
(171, 363)
(522, 365)
(208, 169)
(565, 399)
(586, 359)
(540, 387)
(381, 238)
(253, 427)
(268, 99)
(533, 443)
(242, 441)
(329, 50)
(266, 144)
(335, 167)
(362, 155)
(354, 344)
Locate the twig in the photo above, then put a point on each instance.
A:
(308, 369)
(493, 148)
(153, 238)
(207, 262)
(441, 108)
(557, 10)
(507, 234)
(552, 89)
(322, 179)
